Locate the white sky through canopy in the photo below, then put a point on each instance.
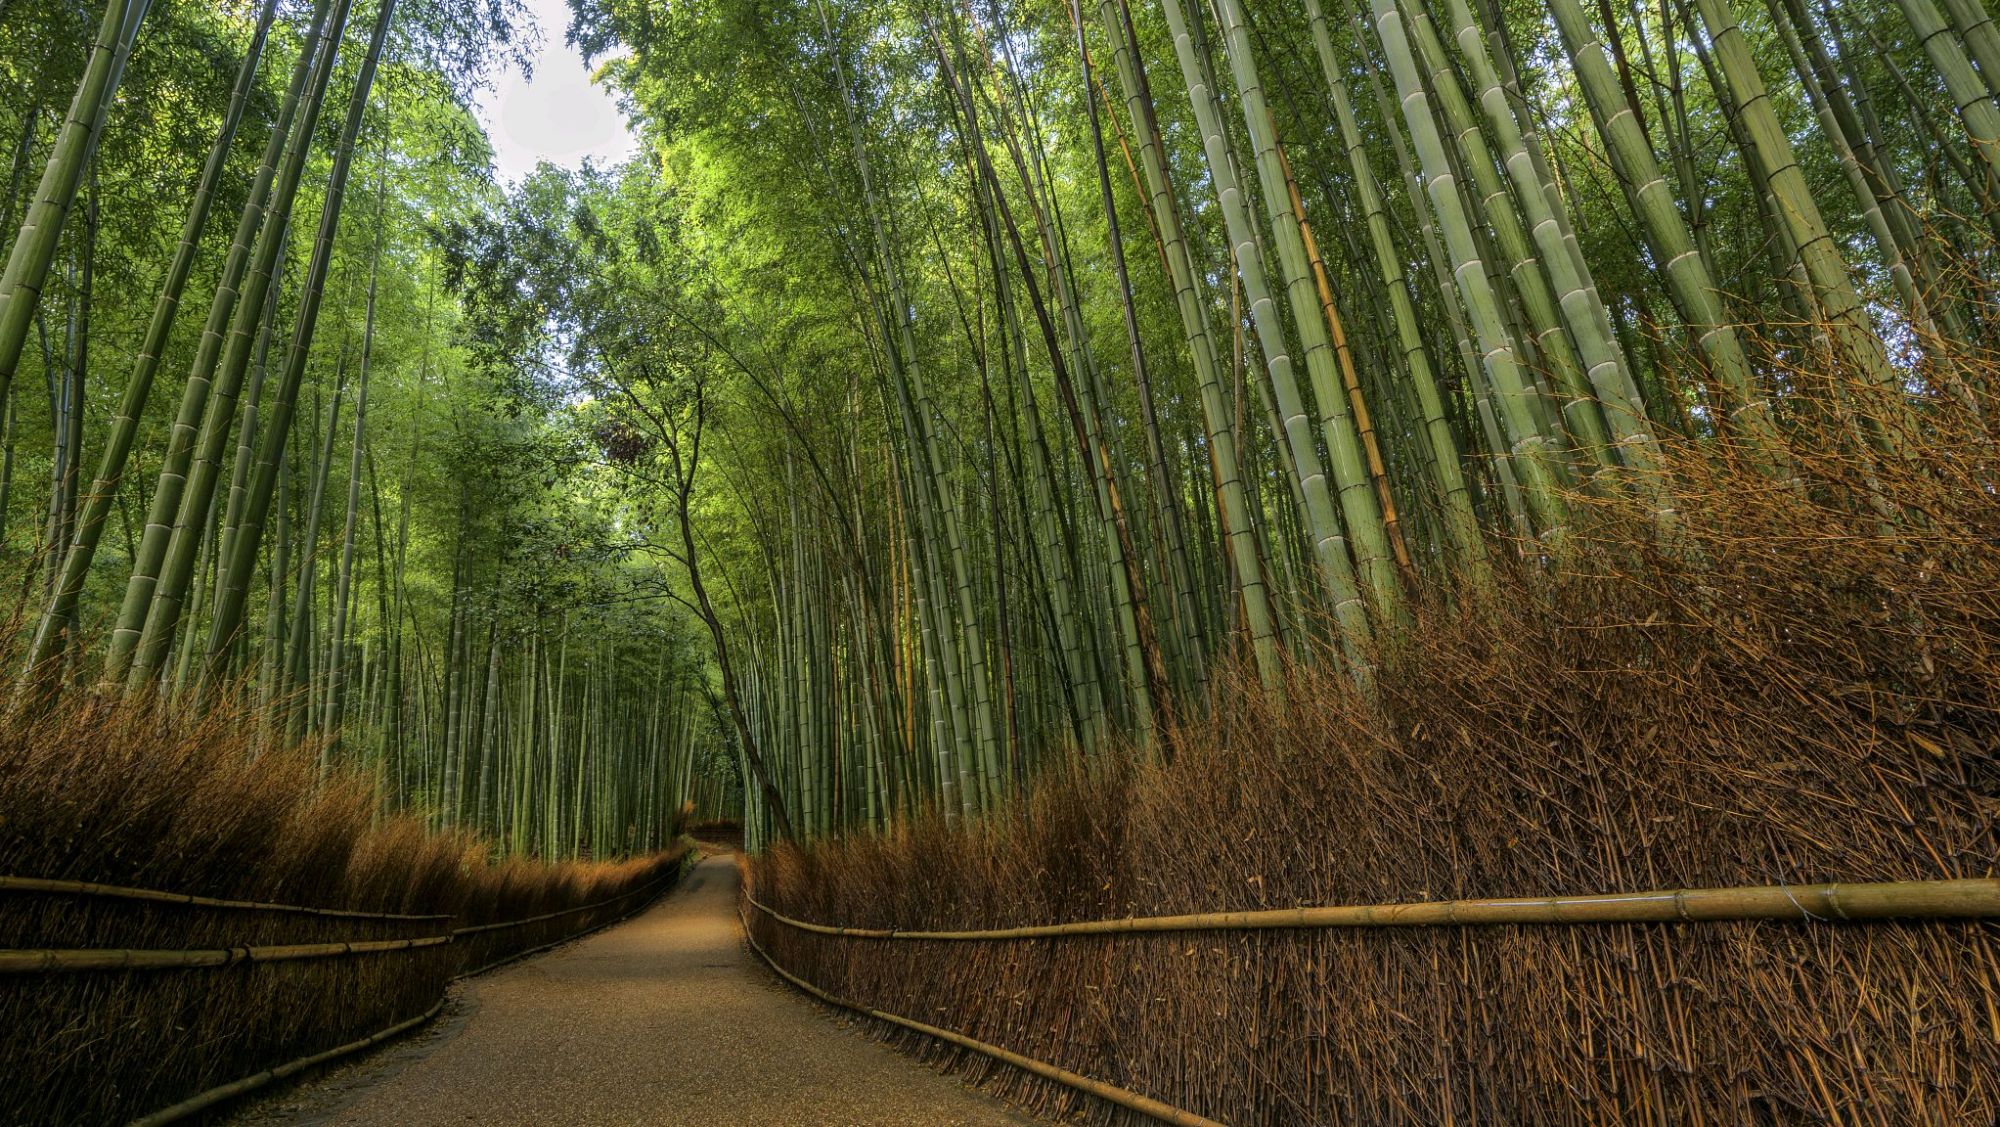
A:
(559, 116)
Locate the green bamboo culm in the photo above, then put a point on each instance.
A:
(198, 493)
(240, 568)
(1605, 363)
(1232, 502)
(1190, 642)
(1527, 266)
(60, 610)
(1461, 523)
(1694, 291)
(155, 537)
(75, 148)
(1328, 539)
(1853, 337)
(1971, 90)
(1361, 513)
(1530, 449)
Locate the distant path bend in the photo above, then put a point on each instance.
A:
(662, 1020)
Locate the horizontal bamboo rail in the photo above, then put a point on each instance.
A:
(119, 892)
(109, 958)
(1145, 1105)
(205, 1100)
(1977, 898)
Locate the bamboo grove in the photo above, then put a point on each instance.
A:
(264, 476)
(946, 386)
(1059, 360)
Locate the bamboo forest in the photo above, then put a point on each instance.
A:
(1194, 561)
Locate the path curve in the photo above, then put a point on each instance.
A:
(665, 1019)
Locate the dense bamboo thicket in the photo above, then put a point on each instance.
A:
(996, 375)
(946, 387)
(1725, 743)
(1166, 453)
(305, 603)
(270, 462)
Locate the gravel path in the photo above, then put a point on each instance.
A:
(664, 1019)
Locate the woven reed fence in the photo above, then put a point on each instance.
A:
(1031, 984)
(259, 992)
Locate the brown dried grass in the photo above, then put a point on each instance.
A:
(118, 795)
(1801, 686)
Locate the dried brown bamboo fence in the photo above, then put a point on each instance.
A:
(371, 979)
(1144, 1105)
(202, 1101)
(1973, 899)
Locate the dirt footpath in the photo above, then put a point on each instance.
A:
(663, 1019)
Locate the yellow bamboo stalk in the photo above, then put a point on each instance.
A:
(1977, 898)
(108, 958)
(1145, 1105)
(221, 1092)
(120, 892)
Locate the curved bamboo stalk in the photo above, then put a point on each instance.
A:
(1970, 899)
